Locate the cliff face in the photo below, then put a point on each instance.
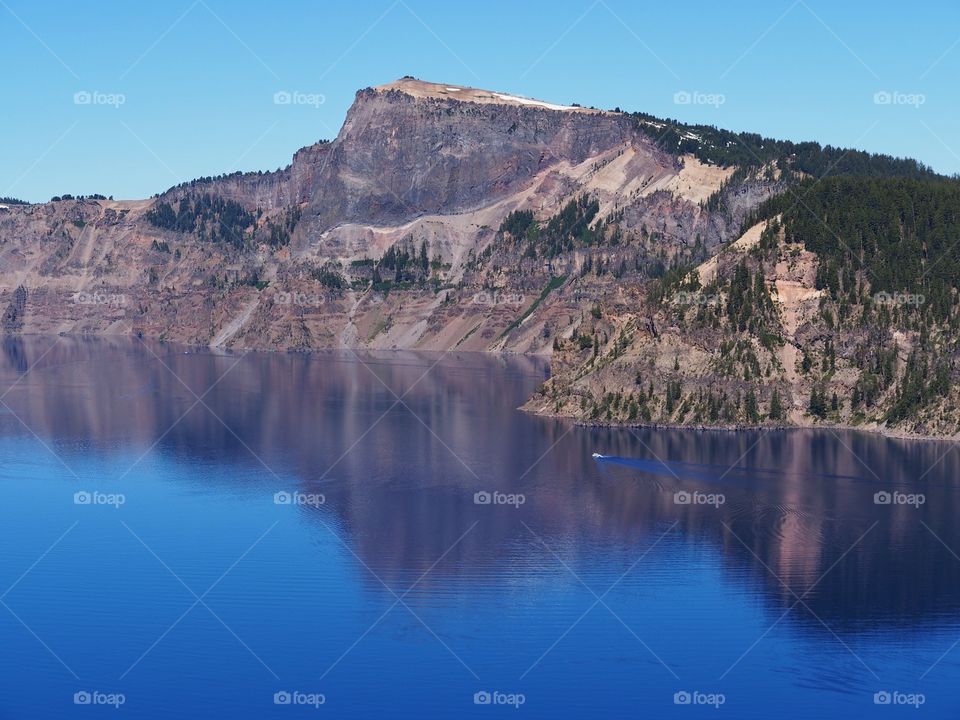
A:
(268, 191)
(440, 217)
(294, 258)
(399, 155)
(411, 148)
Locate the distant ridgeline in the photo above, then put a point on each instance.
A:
(80, 198)
(749, 151)
(55, 198)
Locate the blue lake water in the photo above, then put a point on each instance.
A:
(433, 548)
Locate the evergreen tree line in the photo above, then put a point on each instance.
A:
(750, 150)
(893, 235)
(211, 217)
(407, 263)
(568, 229)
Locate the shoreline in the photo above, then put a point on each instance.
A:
(273, 350)
(892, 433)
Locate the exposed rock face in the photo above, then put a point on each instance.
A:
(407, 149)
(399, 156)
(13, 316)
(269, 191)
(432, 167)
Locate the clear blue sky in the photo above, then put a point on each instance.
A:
(198, 78)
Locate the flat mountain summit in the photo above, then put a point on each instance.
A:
(440, 91)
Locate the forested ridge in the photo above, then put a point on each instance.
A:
(214, 219)
(894, 235)
(747, 150)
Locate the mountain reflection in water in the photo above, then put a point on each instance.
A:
(399, 443)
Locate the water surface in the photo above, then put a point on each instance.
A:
(589, 587)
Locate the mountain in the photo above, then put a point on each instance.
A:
(678, 274)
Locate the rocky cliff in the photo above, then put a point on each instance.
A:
(292, 259)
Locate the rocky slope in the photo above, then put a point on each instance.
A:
(757, 336)
(288, 259)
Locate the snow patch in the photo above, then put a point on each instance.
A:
(528, 101)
